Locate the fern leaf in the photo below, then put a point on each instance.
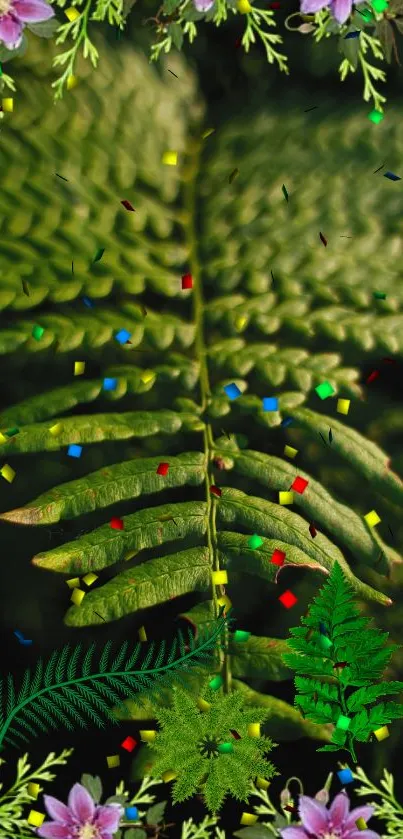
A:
(80, 696)
(368, 694)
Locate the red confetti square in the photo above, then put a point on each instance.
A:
(278, 557)
(288, 599)
(187, 281)
(235, 734)
(312, 530)
(372, 376)
(300, 485)
(163, 469)
(216, 491)
(323, 239)
(129, 744)
(117, 524)
(128, 206)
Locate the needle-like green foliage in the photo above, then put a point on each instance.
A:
(334, 651)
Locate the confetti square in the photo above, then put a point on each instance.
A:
(286, 497)
(35, 818)
(382, 733)
(379, 295)
(72, 81)
(225, 748)
(270, 403)
(79, 368)
(254, 729)
(207, 133)
(241, 636)
(248, 818)
(37, 332)
(7, 105)
(74, 582)
(232, 391)
(187, 281)
(343, 722)
(162, 469)
(379, 5)
(287, 421)
(117, 524)
(255, 541)
(220, 578)
(72, 13)
(345, 776)
(215, 491)
(7, 473)
(361, 823)
(128, 206)
(325, 642)
(123, 336)
(215, 683)
(56, 429)
(240, 322)
(170, 158)
(77, 596)
(372, 518)
(169, 775)
(129, 744)
(147, 376)
(147, 735)
(131, 813)
(289, 451)
(324, 390)
(278, 557)
(203, 705)
(312, 530)
(375, 116)
(142, 635)
(224, 601)
(261, 783)
(343, 406)
(88, 302)
(89, 579)
(113, 761)
(110, 384)
(33, 789)
(3, 439)
(74, 450)
(288, 599)
(299, 484)
(392, 177)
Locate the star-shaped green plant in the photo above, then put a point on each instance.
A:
(214, 751)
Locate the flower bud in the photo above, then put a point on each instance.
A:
(285, 797)
(322, 796)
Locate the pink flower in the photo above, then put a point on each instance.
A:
(15, 13)
(340, 9)
(336, 823)
(81, 819)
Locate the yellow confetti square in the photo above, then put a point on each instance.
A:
(203, 705)
(220, 578)
(248, 818)
(113, 761)
(372, 518)
(74, 582)
(33, 790)
(72, 13)
(240, 321)
(7, 105)
(147, 735)
(79, 368)
(207, 133)
(289, 451)
(169, 775)
(382, 733)
(142, 634)
(89, 579)
(261, 783)
(7, 473)
(254, 729)
(147, 376)
(244, 7)
(170, 158)
(72, 81)
(361, 824)
(224, 601)
(56, 429)
(286, 497)
(3, 439)
(343, 406)
(130, 555)
(35, 818)
(77, 596)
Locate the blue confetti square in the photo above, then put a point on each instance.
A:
(287, 421)
(232, 391)
(110, 384)
(123, 336)
(74, 451)
(88, 302)
(345, 776)
(392, 176)
(270, 403)
(131, 813)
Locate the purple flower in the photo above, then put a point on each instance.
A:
(340, 9)
(14, 14)
(203, 5)
(81, 819)
(336, 823)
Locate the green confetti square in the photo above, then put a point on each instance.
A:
(37, 332)
(215, 683)
(325, 642)
(343, 722)
(379, 5)
(324, 390)
(367, 15)
(255, 541)
(379, 295)
(225, 748)
(241, 635)
(375, 116)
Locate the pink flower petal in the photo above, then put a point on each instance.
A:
(81, 804)
(341, 9)
(309, 7)
(108, 817)
(364, 812)
(314, 816)
(10, 31)
(293, 833)
(52, 830)
(32, 11)
(363, 834)
(339, 810)
(57, 810)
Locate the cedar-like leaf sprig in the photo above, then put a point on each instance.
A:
(192, 745)
(341, 651)
(73, 688)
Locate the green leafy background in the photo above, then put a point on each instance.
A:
(309, 315)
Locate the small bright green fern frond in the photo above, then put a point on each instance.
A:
(335, 643)
(189, 744)
(82, 692)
